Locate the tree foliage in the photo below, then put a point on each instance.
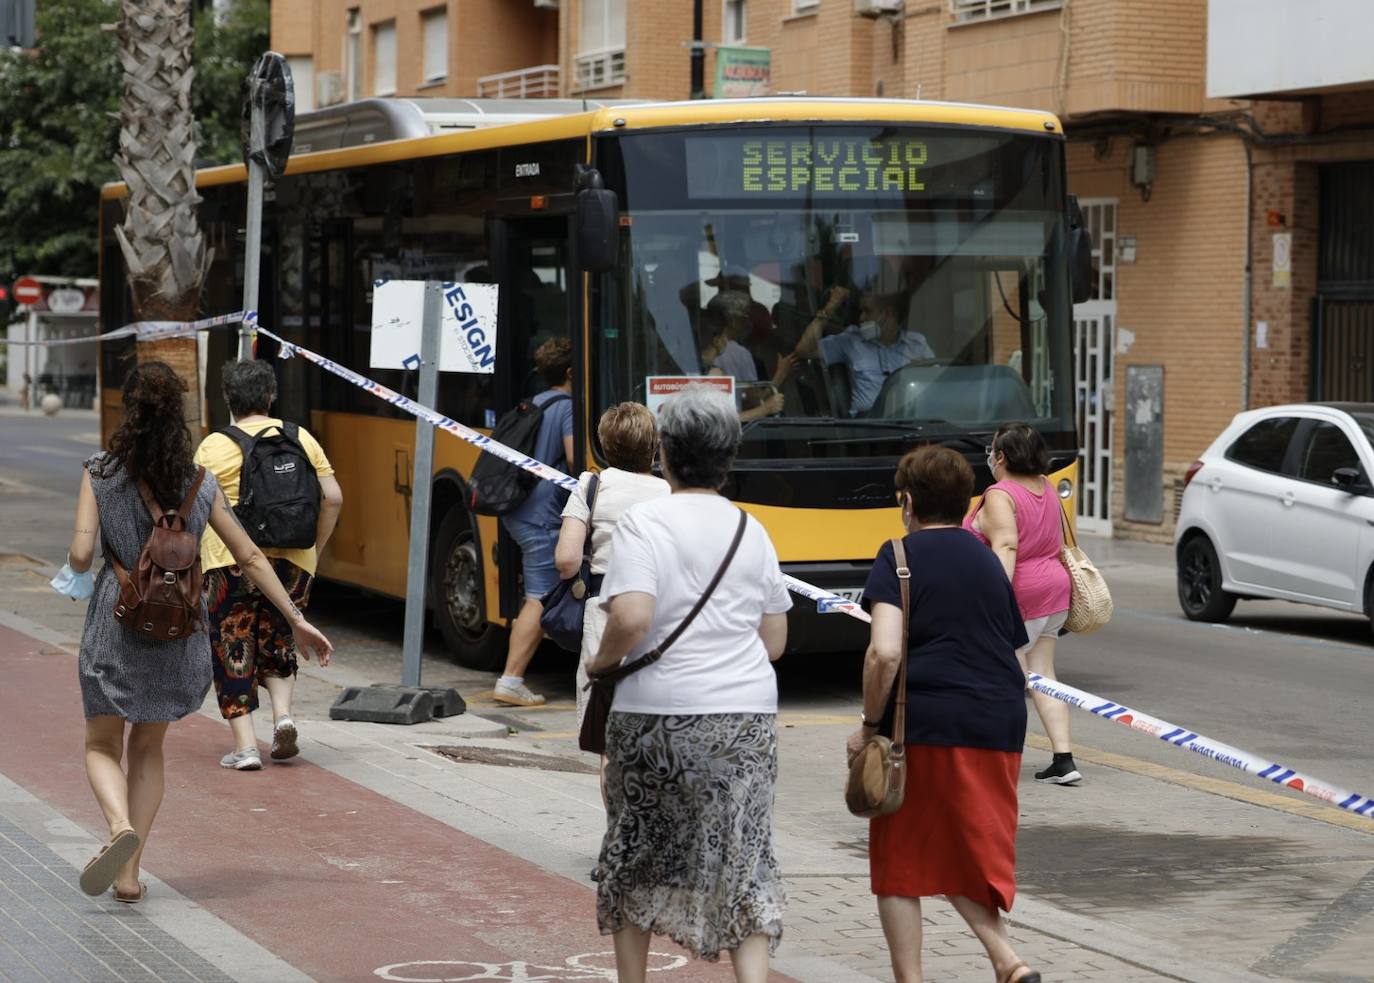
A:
(59, 125)
(57, 131)
(226, 48)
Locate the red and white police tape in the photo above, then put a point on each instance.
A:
(144, 330)
(1182, 737)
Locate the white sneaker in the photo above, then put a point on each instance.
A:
(284, 740)
(518, 695)
(246, 760)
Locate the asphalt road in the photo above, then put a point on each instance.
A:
(1284, 681)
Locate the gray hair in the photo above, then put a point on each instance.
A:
(700, 433)
(249, 387)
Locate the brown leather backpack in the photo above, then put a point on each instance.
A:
(161, 599)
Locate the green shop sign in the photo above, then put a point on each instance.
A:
(742, 72)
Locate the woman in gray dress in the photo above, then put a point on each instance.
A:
(691, 742)
(144, 682)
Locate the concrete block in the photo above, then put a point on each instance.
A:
(384, 705)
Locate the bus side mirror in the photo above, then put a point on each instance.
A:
(1082, 278)
(598, 224)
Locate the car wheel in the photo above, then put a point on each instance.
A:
(1199, 582)
(459, 597)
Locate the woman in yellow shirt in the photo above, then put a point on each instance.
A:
(251, 641)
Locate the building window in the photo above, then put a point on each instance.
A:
(601, 44)
(435, 29)
(967, 11)
(384, 59)
(734, 22)
(303, 81)
(353, 56)
(805, 6)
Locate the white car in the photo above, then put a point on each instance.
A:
(1280, 506)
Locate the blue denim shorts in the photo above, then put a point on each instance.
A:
(536, 555)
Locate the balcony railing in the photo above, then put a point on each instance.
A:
(538, 82)
(598, 69)
(968, 11)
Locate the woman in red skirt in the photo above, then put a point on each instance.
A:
(955, 834)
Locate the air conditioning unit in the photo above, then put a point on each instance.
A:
(328, 88)
(877, 8)
(545, 4)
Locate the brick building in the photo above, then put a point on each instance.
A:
(1223, 151)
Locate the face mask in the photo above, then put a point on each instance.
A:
(77, 586)
(869, 330)
(992, 462)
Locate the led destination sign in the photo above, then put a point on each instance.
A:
(875, 164)
(801, 165)
(843, 165)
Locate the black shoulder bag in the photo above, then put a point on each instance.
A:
(602, 686)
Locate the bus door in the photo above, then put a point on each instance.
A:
(532, 260)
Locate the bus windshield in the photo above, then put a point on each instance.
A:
(861, 285)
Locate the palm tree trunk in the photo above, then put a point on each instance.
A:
(163, 248)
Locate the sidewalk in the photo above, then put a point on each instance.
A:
(450, 842)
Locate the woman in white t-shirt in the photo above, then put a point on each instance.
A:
(691, 742)
(629, 439)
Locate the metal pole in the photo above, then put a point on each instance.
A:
(417, 567)
(698, 54)
(252, 245)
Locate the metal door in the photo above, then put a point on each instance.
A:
(1094, 355)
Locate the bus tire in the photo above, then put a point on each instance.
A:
(458, 592)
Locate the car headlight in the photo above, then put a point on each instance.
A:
(1065, 489)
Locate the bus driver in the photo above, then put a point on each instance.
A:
(871, 350)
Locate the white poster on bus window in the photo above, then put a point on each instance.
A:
(467, 341)
(657, 388)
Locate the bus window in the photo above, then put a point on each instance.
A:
(534, 299)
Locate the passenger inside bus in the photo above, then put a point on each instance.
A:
(741, 316)
(871, 350)
(755, 400)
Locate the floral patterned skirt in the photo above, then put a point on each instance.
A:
(688, 851)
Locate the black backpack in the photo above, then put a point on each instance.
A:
(498, 487)
(279, 492)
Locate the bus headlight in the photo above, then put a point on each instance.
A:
(1065, 489)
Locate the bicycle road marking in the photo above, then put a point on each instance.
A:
(574, 968)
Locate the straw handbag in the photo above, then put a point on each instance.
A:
(877, 775)
(1090, 602)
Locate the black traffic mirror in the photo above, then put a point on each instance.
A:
(1080, 255)
(598, 224)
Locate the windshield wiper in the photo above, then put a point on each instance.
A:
(908, 434)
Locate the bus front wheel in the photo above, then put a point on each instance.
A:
(459, 596)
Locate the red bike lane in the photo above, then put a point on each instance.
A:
(331, 877)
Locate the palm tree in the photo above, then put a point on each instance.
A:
(161, 240)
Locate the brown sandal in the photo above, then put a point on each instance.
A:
(1010, 975)
(100, 873)
(131, 898)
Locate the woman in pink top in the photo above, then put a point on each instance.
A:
(1021, 519)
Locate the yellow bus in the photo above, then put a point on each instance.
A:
(617, 226)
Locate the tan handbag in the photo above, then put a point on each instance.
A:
(877, 775)
(1090, 602)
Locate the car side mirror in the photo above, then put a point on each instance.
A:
(1350, 480)
(1080, 254)
(598, 224)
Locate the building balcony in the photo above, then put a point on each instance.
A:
(600, 69)
(1274, 47)
(537, 82)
